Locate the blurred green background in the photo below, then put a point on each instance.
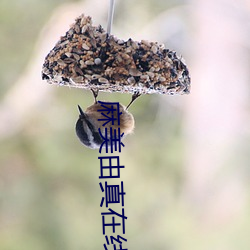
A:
(186, 173)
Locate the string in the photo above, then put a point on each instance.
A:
(110, 15)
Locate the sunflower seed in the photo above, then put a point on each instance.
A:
(150, 74)
(131, 80)
(95, 76)
(103, 80)
(144, 78)
(69, 60)
(85, 46)
(61, 62)
(68, 54)
(154, 49)
(134, 72)
(77, 79)
(88, 62)
(77, 57)
(78, 70)
(77, 29)
(145, 42)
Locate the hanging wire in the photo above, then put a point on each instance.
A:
(110, 15)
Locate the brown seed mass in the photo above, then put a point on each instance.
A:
(87, 57)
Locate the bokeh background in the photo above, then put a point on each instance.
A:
(187, 165)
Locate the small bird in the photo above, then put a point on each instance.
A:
(88, 125)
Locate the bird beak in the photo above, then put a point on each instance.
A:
(81, 112)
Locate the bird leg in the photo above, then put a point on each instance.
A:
(95, 94)
(134, 97)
